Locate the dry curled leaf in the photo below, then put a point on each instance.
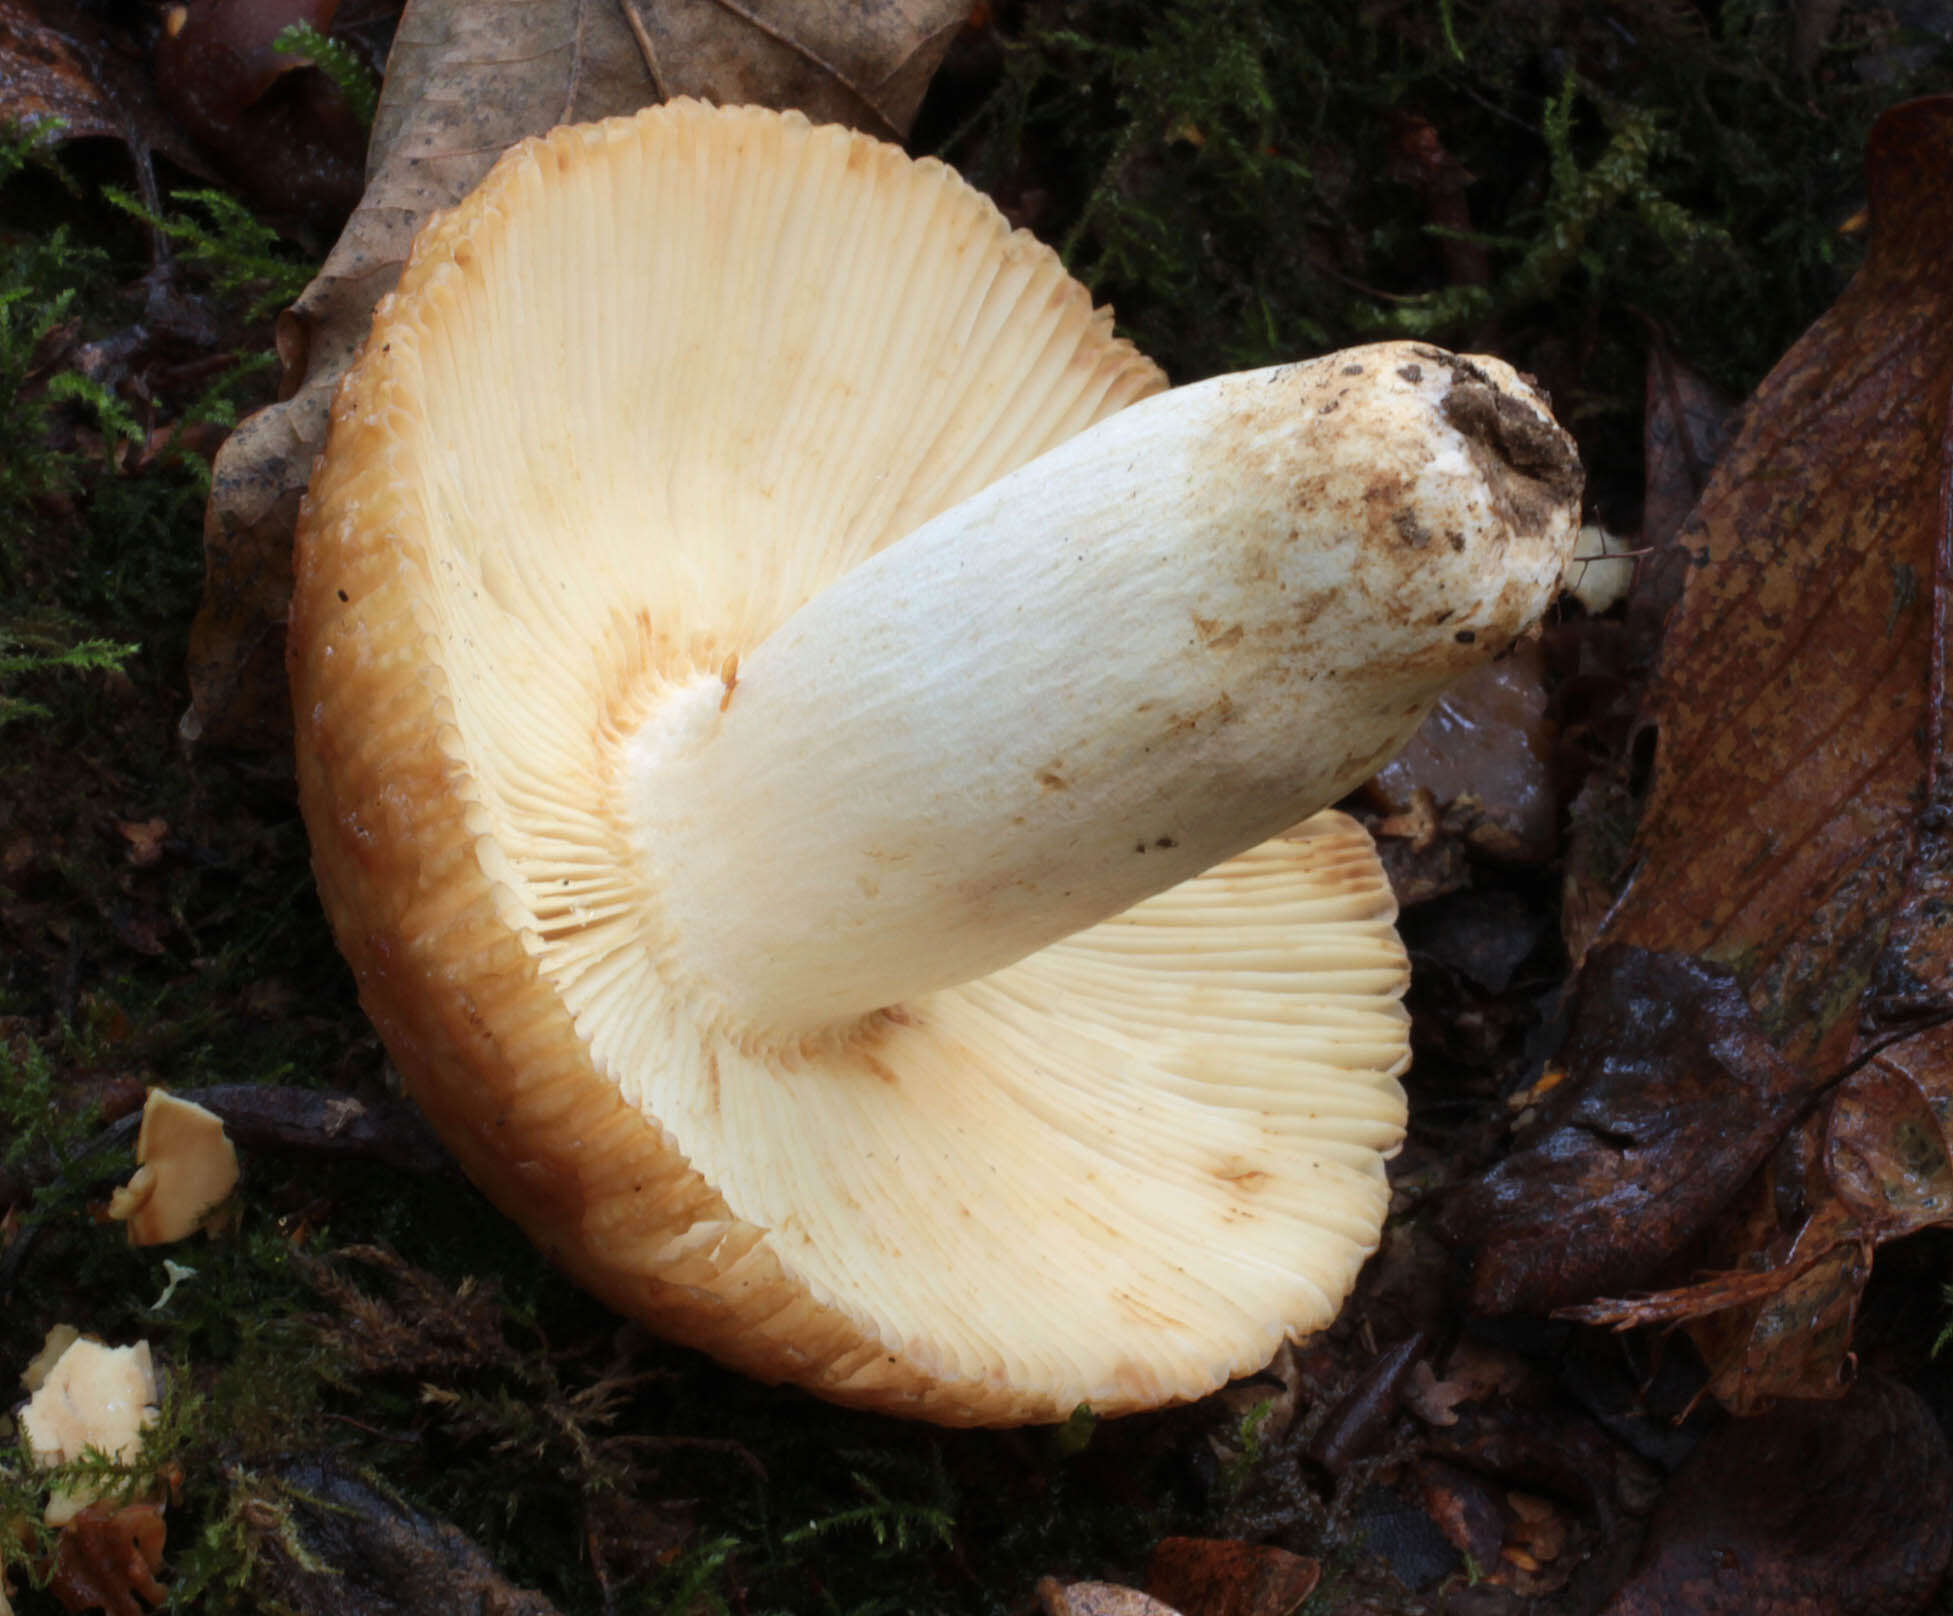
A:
(1794, 861)
(466, 80)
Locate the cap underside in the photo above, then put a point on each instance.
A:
(660, 382)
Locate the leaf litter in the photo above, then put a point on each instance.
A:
(1783, 934)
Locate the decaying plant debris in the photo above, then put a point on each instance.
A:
(1644, 204)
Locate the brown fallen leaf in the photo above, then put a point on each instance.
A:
(1803, 663)
(1685, 427)
(60, 64)
(1473, 1373)
(1358, 1423)
(1483, 754)
(862, 65)
(1817, 1509)
(1200, 1576)
(46, 75)
(1673, 1098)
(466, 80)
(1537, 1536)
(277, 129)
(107, 1559)
(1880, 1167)
(1785, 918)
(1465, 1507)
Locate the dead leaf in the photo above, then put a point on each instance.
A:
(106, 1558)
(466, 80)
(1790, 899)
(1673, 1098)
(1464, 1506)
(839, 63)
(1057, 1598)
(58, 62)
(277, 129)
(1473, 1373)
(1218, 1577)
(1483, 753)
(1358, 1422)
(1685, 427)
(1882, 1168)
(1803, 659)
(1817, 1509)
(1538, 1529)
(45, 75)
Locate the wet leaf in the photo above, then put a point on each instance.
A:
(1358, 1423)
(1686, 424)
(1679, 1097)
(466, 80)
(1882, 1168)
(1816, 1509)
(343, 1547)
(1790, 895)
(1483, 758)
(46, 74)
(58, 63)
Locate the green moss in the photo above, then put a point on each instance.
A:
(1248, 182)
(339, 62)
(243, 258)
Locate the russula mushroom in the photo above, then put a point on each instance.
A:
(90, 1397)
(886, 965)
(186, 1169)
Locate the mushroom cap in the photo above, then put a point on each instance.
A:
(92, 1396)
(656, 384)
(187, 1168)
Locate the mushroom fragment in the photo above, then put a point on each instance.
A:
(886, 965)
(187, 1168)
(91, 1397)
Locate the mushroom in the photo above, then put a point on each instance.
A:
(187, 1167)
(908, 969)
(90, 1397)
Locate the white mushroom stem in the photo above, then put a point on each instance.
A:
(1164, 641)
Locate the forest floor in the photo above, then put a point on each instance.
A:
(379, 1397)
